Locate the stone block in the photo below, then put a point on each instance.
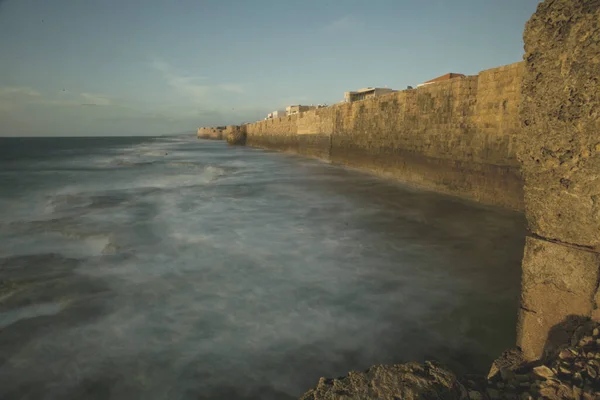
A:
(557, 281)
(560, 109)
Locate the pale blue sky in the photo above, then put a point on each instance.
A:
(131, 67)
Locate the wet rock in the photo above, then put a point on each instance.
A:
(567, 373)
(521, 378)
(567, 354)
(493, 394)
(548, 392)
(405, 381)
(591, 371)
(473, 395)
(508, 361)
(543, 372)
(586, 341)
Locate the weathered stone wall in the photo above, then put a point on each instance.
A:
(560, 155)
(235, 135)
(456, 137)
(307, 133)
(497, 110)
(211, 133)
(448, 137)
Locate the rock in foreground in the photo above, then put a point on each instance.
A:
(569, 371)
(406, 381)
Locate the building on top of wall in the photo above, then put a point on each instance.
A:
(276, 114)
(446, 77)
(297, 109)
(366, 93)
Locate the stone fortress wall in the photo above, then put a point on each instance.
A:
(212, 133)
(456, 137)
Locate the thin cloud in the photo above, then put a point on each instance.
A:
(347, 22)
(95, 99)
(10, 91)
(193, 87)
(182, 84)
(11, 97)
(231, 87)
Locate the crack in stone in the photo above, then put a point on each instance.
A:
(527, 309)
(589, 249)
(548, 282)
(594, 304)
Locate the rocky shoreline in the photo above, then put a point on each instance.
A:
(570, 370)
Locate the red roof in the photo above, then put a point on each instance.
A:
(445, 77)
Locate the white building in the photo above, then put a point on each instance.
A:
(276, 114)
(366, 93)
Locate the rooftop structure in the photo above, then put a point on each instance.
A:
(366, 93)
(445, 77)
(276, 114)
(297, 109)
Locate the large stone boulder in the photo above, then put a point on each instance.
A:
(560, 110)
(559, 151)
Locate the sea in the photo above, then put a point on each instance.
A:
(176, 268)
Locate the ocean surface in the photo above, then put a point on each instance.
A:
(177, 268)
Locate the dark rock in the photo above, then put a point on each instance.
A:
(508, 361)
(493, 394)
(405, 381)
(473, 395)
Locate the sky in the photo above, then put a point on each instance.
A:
(149, 67)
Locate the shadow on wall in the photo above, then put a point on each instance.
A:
(569, 332)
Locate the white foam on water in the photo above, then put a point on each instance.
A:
(35, 310)
(53, 242)
(208, 279)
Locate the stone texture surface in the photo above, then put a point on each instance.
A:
(571, 371)
(405, 381)
(235, 135)
(211, 133)
(559, 150)
(557, 281)
(560, 147)
(456, 137)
